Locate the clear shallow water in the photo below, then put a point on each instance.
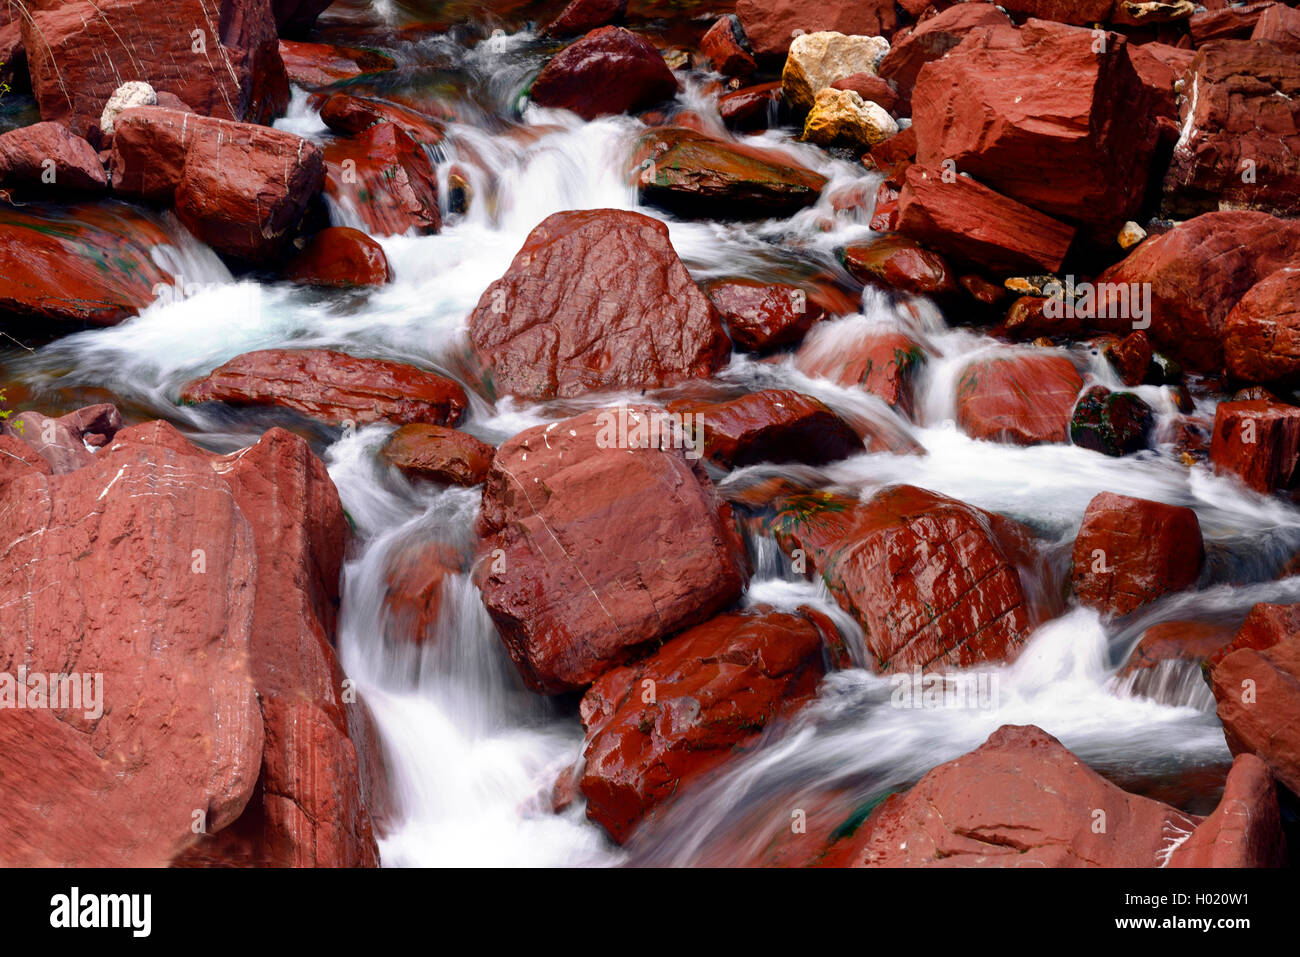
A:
(473, 755)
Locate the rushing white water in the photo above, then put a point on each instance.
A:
(473, 754)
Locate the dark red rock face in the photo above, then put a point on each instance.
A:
(1259, 441)
(439, 453)
(386, 176)
(340, 256)
(332, 387)
(1038, 115)
(776, 425)
(930, 579)
(763, 316)
(610, 70)
(723, 50)
(656, 726)
(929, 40)
(79, 52)
(884, 363)
(581, 16)
(1130, 551)
(46, 157)
(1262, 340)
(625, 547)
(595, 299)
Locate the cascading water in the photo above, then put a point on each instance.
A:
(472, 754)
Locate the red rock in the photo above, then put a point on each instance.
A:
(929, 40)
(981, 290)
(414, 591)
(1265, 625)
(320, 64)
(1131, 357)
(1159, 66)
(63, 442)
(694, 174)
(1175, 641)
(1262, 340)
(721, 47)
(94, 266)
(1258, 694)
(970, 221)
(79, 52)
(1130, 551)
(595, 299)
(657, 726)
(1112, 423)
(628, 546)
(751, 108)
(1197, 272)
(45, 156)
(386, 177)
(109, 549)
(900, 263)
(761, 316)
(899, 148)
(1227, 23)
(880, 361)
(1278, 24)
(1026, 321)
(871, 87)
(1019, 800)
(1245, 830)
(13, 61)
(775, 425)
(240, 188)
(884, 213)
(1024, 399)
(610, 70)
(1240, 135)
(582, 16)
(1038, 116)
(439, 453)
(308, 810)
(340, 256)
(770, 25)
(929, 579)
(1258, 440)
(348, 115)
(332, 387)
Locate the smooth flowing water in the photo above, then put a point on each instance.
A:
(472, 755)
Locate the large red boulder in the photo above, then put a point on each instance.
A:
(694, 174)
(1197, 272)
(439, 453)
(239, 187)
(1039, 115)
(763, 316)
(1022, 799)
(603, 536)
(340, 256)
(1026, 399)
(1259, 441)
(900, 263)
(722, 47)
(596, 299)
(775, 425)
(222, 59)
(1256, 683)
(384, 176)
(66, 442)
(94, 266)
(1262, 336)
(332, 387)
(100, 585)
(659, 724)
(1130, 551)
(929, 40)
(1245, 830)
(770, 25)
(46, 156)
(1159, 67)
(932, 581)
(610, 70)
(956, 215)
(1240, 131)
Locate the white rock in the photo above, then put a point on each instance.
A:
(843, 118)
(1131, 234)
(134, 93)
(816, 60)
